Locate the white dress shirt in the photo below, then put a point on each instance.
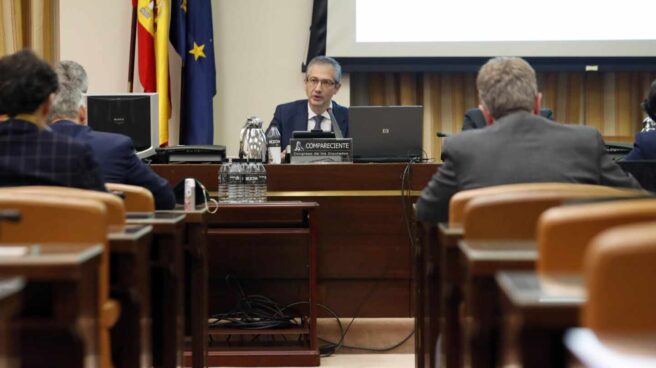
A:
(326, 125)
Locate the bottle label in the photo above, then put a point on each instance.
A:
(251, 179)
(273, 142)
(189, 195)
(234, 179)
(274, 155)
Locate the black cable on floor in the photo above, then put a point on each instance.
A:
(380, 350)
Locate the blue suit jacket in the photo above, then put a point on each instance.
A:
(33, 156)
(293, 116)
(118, 162)
(644, 147)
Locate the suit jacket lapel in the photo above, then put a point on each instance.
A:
(300, 117)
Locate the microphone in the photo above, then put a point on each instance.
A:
(441, 135)
(333, 122)
(10, 215)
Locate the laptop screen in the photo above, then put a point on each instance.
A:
(386, 133)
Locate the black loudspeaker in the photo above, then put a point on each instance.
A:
(132, 114)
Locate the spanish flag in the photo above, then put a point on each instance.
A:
(153, 35)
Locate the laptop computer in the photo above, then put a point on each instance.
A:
(386, 133)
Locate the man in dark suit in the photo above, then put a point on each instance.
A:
(30, 153)
(114, 152)
(474, 118)
(520, 146)
(322, 82)
(644, 146)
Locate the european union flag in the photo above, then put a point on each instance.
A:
(192, 37)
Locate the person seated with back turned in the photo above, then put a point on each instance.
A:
(474, 118)
(30, 153)
(644, 146)
(322, 82)
(114, 152)
(520, 146)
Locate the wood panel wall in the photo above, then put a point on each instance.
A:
(607, 101)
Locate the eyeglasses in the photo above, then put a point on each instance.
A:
(324, 82)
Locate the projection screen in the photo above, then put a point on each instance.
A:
(483, 28)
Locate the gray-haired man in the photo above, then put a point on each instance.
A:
(519, 147)
(113, 152)
(322, 82)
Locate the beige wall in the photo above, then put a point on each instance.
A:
(97, 35)
(259, 46)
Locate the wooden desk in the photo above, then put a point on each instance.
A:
(196, 289)
(480, 261)
(446, 295)
(167, 285)
(265, 224)
(130, 284)
(11, 301)
(545, 305)
(60, 319)
(362, 212)
(423, 278)
(435, 276)
(609, 351)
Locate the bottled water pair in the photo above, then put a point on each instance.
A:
(242, 181)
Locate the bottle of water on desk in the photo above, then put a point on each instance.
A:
(273, 144)
(243, 165)
(235, 186)
(250, 182)
(261, 183)
(223, 182)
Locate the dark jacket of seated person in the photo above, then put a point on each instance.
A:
(518, 148)
(293, 116)
(118, 161)
(644, 146)
(32, 155)
(474, 118)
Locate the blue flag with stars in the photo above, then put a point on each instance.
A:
(192, 37)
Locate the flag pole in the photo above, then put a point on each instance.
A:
(133, 36)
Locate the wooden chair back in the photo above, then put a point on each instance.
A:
(136, 198)
(620, 277)
(514, 215)
(460, 199)
(565, 232)
(47, 219)
(114, 204)
(52, 223)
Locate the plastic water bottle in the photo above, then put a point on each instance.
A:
(243, 195)
(261, 186)
(190, 194)
(273, 144)
(235, 187)
(250, 182)
(223, 182)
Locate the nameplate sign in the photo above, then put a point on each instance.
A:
(316, 150)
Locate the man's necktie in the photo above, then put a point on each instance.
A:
(317, 122)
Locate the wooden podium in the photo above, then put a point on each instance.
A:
(364, 255)
(260, 223)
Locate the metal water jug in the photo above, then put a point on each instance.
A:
(252, 141)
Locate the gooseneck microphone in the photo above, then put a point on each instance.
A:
(333, 122)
